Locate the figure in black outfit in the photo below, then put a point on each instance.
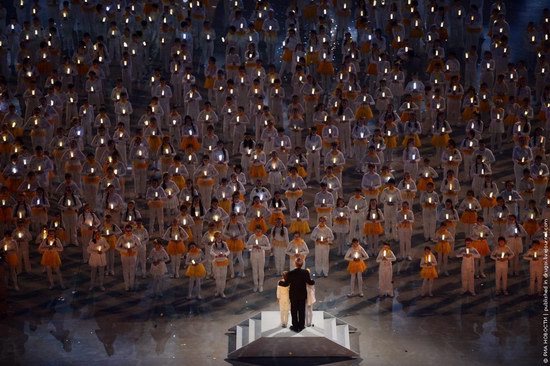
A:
(297, 280)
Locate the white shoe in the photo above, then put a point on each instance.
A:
(199, 297)
(409, 258)
(255, 289)
(223, 295)
(261, 289)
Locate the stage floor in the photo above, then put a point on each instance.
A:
(76, 327)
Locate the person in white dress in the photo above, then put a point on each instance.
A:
(97, 259)
(385, 261)
(158, 258)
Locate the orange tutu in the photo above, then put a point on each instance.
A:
(139, 164)
(356, 267)
(257, 222)
(111, 239)
(510, 120)
(294, 194)
(154, 143)
(417, 32)
(50, 258)
(91, 179)
(13, 183)
(372, 69)
(373, 228)
(391, 142)
(209, 83)
(301, 171)
(221, 262)
(531, 227)
(415, 138)
(428, 273)
(197, 270)
(190, 142)
(257, 171)
(440, 140)
(486, 202)
(301, 227)
(484, 106)
(469, 217)
(482, 247)
(312, 58)
(225, 204)
(175, 247)
(235, 245)
(6, 214)
(155, 203)
(443, 247)
(364, 111)
(205, 182)
(366, 47)
(468, 113)
(276, 215)
(287, 55)
(325, 68)
(11, 259)
(179, 180)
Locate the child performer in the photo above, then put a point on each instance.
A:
(356, 256)
(284, 299)
(195, 270)
(385, 270)
(428, 272)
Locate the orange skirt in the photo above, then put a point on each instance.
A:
(443, 247)
(276, 215)
(91, 179)
(13, 183)
(175, 247)
(325, 68)
(221, 263)
(373, 228)
(428, 273)
(287, 55)
(356, 267)
(6, 214)
(111, 239)
(154, 143)
(155, 204)
(257, 171)
(364, 111)
(294, 194)
(440, 140)
(482, 247)
(468, 113)
(531, 227)
(486, 202)
(510, 120)
(50, 258)
(197, 270)
(179, 180)
(366, 47)
(372, 69)
(205, 182)
(415, 138)
(257, 222)
(484, 106)
(235, 245)
(208, 83)
(391, 142)
(11, 259)
(190, 142)
(301, 227)
(225, 204)
(469, 217)
(312, 58)
(423, 182)
(301, 171)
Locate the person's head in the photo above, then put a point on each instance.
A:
(157, 244)
(355, 243)
(298, 263)
(501, 241)
(285, 275)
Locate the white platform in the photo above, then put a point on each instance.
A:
(263, 336)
